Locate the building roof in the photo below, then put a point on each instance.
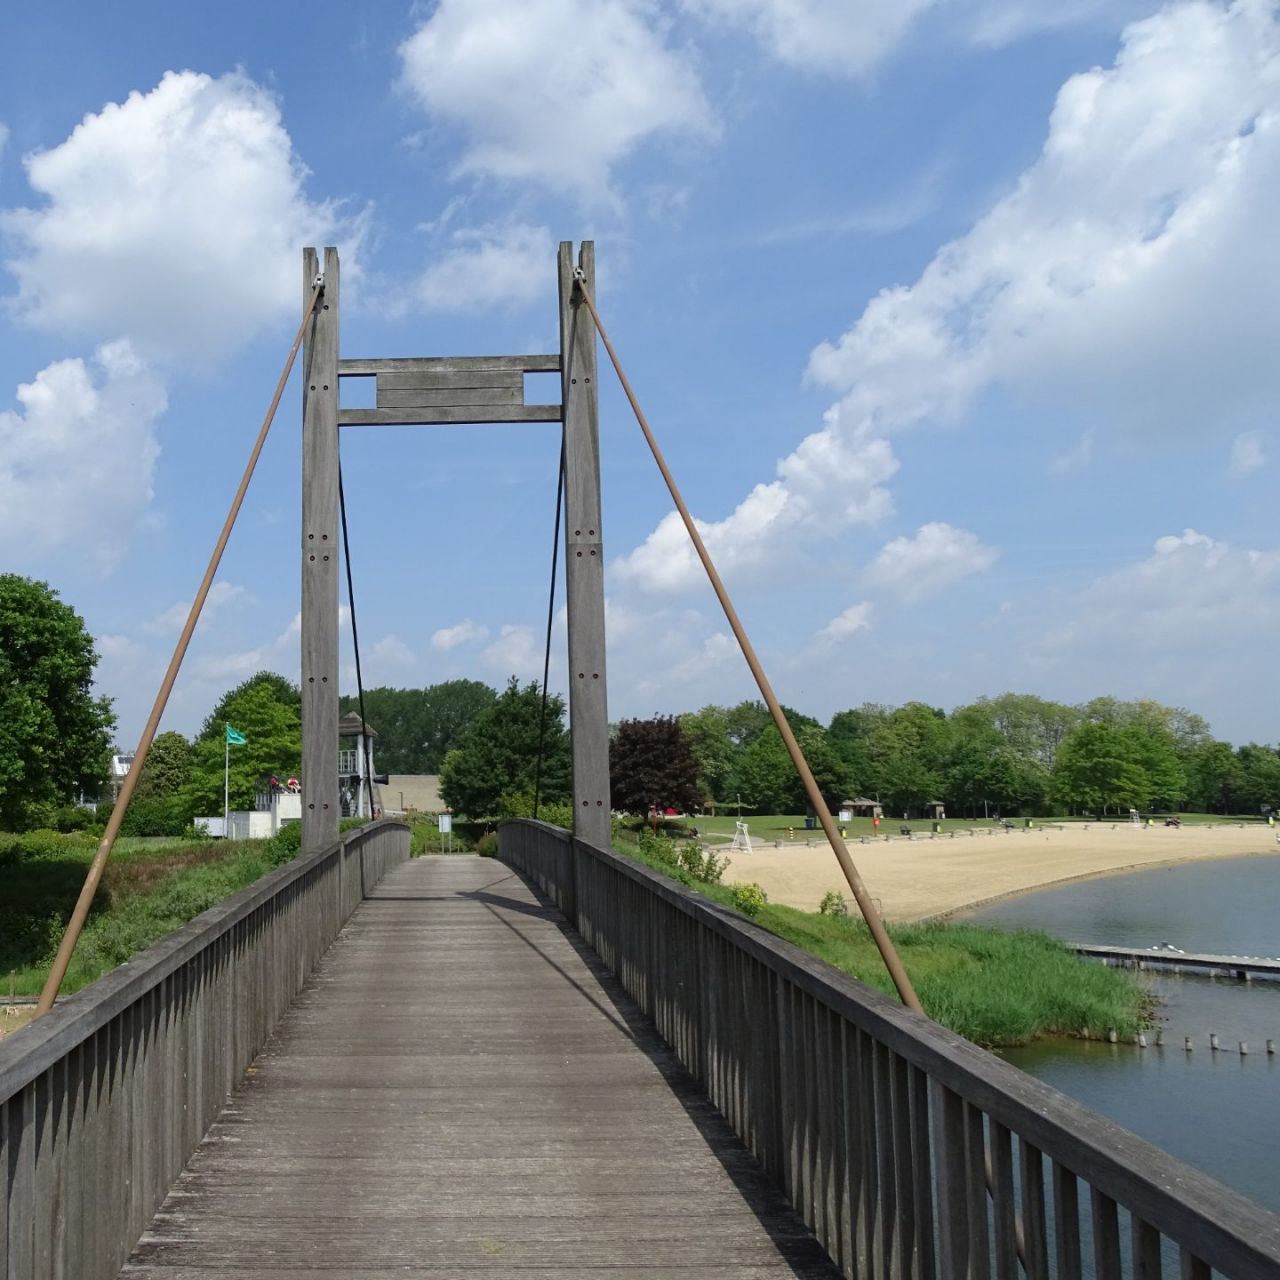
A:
(351, 726)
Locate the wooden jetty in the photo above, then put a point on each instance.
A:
(1246, 968)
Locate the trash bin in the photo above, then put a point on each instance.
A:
(1028, 823)
(809, 823)
(937, 826)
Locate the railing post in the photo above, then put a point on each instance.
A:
(584, 554)
(320, 559)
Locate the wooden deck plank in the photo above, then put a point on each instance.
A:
(462, 1088)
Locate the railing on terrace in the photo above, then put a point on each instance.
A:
(104, 1099)
(879, 1124)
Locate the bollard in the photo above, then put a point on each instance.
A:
(1159, 1037)
(1244, 1047)
(1186, 1043)
(1213, 1041)
(1142, 1041)
(1271, 1046)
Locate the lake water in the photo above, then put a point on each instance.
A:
(1218, 1111)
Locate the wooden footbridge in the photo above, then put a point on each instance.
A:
(555, 1063)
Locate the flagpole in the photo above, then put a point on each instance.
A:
(226, 783)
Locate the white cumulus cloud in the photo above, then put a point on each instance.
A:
(853, 37)
(1247, 453)
(501, 265)
(1191, 591)
(392, 652)
(937, 557)
(829, 482)
(77, 460)
(841, 37)
(465, 632)
(516, 651)
(553, 91)
(857, 617)
(174, 617)
(174, 217)
(1131, 265)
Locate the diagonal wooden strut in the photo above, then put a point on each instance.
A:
(91, 881)
(884, 943)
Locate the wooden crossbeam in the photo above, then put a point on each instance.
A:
(442, 390)
(448, 364)
(448, 415)
(424, 397)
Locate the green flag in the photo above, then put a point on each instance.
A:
(235, 738)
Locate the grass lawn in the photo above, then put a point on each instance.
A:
(994, 987)
(150, 888)
(790, 826)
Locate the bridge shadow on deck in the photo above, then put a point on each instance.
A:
(463, 1087)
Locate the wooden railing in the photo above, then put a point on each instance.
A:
(104, 1099)
(881, 1125)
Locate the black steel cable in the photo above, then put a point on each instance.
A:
(355, 644)
(551, 608)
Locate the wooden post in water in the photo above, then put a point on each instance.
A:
(584, 553)
(320, 559)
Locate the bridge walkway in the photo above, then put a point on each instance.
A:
(461, 1088)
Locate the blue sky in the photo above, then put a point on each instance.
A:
(956, 318)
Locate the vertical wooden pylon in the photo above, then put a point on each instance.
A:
(320, 558)
(584, 554)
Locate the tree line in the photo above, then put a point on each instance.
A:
(1012, 754)
(494, 749)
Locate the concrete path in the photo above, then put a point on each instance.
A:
(463, 1089)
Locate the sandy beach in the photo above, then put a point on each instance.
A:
(922, 877)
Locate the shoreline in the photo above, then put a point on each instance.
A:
(943, 917)
(937, 878)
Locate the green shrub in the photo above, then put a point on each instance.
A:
(748, 898)
(487, 845)
(155, 816)
(833, 904)
(702, 866)
(284, 846)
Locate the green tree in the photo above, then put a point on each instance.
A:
(909, 749)
(167, 769)
(282, 690)
(55, 736)
(849, 735)
(1031, 727)
(498, 754)
(764, 775)
(1097, 769)
(651, 762)
(1214, 777)
(1153, 749)
(1259, 777)
(266, 710)
(417, 728)
(708, 734)
(746, 722)
(767, 778)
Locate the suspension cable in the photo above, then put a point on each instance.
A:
(551, 605)
(355, 644)
(93, 878)
(883, 942)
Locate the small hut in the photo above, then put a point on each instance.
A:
(936, 810)
(860, 808)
